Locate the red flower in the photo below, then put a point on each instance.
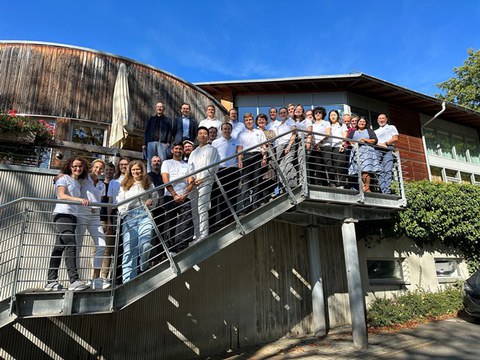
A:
(12, 112)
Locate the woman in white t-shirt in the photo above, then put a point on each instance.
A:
(67, 187)
(136, 224)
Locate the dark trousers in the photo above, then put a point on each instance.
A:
(229, 178)
(64, 244)
(178, 224)
(339, 167)
(320, 166)
(251, 178)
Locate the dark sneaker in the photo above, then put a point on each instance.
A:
(78, 286)
(53, 286)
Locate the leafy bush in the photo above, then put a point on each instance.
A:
(414, 305)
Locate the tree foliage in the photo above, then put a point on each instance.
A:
(444, 212)
(464, 88)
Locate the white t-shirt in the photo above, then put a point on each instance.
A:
(208, 123)
(385, 133)
(320, 127)
(226, 148)
(237, 128)
(114, 188)
(201, 157)
(337, 130)
(251, 138)
(284, 128)
(135, 190)
(72, 188)
(175, 170)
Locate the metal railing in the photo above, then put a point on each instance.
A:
(27, 229)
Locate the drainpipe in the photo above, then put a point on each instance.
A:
(444, 107)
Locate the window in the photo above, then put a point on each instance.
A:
(452, 175)
(385, 271)
(466, 178)
(473, 151)
(436, 174)
(447, 269)
(445, 145)
(431, 141)
(460, 149)
(87, 135)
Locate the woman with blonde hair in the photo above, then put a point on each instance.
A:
(136, 227)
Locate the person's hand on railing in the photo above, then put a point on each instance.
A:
(149, 203)
(85, 202)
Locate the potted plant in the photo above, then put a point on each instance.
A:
(20, 129)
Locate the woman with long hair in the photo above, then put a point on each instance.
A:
(366, 156)
(339, 163)
(67, 187)
(306, 126)
(136, 224)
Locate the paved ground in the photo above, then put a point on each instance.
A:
(455, 338)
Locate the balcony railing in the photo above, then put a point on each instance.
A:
(27, 230)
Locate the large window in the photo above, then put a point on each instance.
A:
(452, 146)
(447, 269)
(88, 135)
(385, 271)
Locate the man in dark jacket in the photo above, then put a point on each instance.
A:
(185, 126)
(158, 134)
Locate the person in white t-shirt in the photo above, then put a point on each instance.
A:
(178, 210)
(387, 137)
(137, 227)
(68, 187)
(320, 156)
(237, 126)
(285, 148)
(211, 121)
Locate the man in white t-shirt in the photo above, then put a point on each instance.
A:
(387, 137)
(211, 121)
(178, 217)
(237, 126)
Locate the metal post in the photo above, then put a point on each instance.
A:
(361, 194)
(19, 257)
(240, 228)
(398, 165)
(173, 265)
(303, 154)
(318, 297)
(355, 291)
(282, 176)
(115, 259)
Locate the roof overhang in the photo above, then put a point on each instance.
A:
(357, 83)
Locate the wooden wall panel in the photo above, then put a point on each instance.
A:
(61, 81)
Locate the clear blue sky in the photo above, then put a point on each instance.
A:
(412, 43)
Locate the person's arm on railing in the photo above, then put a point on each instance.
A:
(240, 156)
(63, 196)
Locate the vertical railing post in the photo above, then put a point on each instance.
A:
(361, 194)
(173, 265)
(19, 256)
(401, 185)
(118, 232)
(240, 228)
(302, 161)
(282, 176)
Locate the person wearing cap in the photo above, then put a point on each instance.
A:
(184, 126)
(188, 147)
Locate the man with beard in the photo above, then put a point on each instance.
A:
(188, 147)
(158, 212)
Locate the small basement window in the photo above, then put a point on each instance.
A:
(448, 270)
(385, 271)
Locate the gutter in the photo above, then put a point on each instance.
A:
(444, 107)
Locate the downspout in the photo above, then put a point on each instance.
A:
(444, 107)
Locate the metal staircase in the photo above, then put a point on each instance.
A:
(26, 238)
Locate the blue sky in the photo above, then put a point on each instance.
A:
(412, 43)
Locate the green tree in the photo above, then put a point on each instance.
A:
(464, 88)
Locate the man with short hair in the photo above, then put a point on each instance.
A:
(178, 216)
(251, 163)
(184, 126)
(211, 121)
(188, 147)
(291, 110)
(274, 122)
(387, 137)
(228, 175)
(237, 126)
(346, 119)
(158, 134)
(212, 134)
(203, 156)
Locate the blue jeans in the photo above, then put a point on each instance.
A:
(137, 235)
(155, 148)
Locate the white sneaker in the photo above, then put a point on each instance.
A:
(106, 284)
(78, 286)
(53, 286)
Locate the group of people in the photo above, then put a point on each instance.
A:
(209, 177)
